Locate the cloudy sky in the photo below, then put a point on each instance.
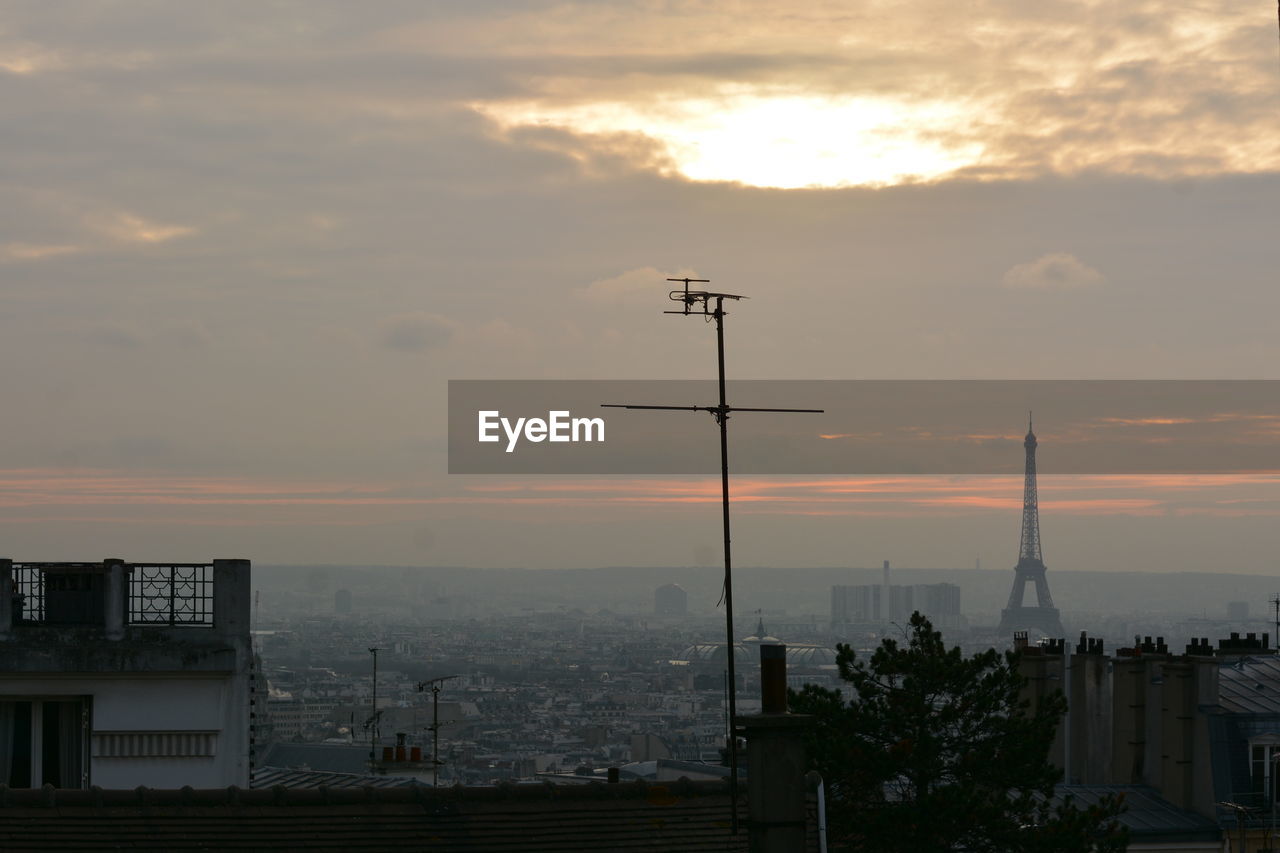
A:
(243, 247)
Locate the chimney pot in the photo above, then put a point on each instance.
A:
(773, 679)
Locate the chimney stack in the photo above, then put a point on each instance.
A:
(776, 761)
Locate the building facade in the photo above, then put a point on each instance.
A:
(124, 675)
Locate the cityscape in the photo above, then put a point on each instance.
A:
(547, 426)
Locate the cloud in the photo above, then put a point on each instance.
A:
(416, 331)
(129, 228)
(990, 90)
(1057, 271)
(646, 282)
(35, 251)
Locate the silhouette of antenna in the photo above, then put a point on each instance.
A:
(372, 724)
(1275, 603)
(436, 685)
(692, 300)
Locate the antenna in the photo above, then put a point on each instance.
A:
(691, 300)
(372, 723)
(435, 684)
(1275, 603)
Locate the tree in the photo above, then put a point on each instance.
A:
(937, 752)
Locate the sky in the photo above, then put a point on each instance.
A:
(245, 245)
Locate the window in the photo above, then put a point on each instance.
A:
(43, 742)
(1263, 755)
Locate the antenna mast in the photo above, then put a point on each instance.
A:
(1275, 603)
(435, 685)
(706, 303)
(372, 724)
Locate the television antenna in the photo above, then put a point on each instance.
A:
(1275, 604)
(372, 724)
(435, 684)
(708, 304)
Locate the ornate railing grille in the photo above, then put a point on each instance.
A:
(171, 594)
(28, 582)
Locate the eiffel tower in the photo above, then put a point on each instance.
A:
(1030, 569)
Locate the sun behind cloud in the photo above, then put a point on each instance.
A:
(785, 141)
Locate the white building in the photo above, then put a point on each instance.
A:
(121, 675)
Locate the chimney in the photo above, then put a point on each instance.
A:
(773, 679)
(776, 760)
(1089, 713)
(1044, 668)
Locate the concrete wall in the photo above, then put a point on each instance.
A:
(153, 705)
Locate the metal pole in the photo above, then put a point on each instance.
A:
(435, 735)
(373, 727)
(1275, 765)
(723, 418)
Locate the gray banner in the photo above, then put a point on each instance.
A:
(869, 427)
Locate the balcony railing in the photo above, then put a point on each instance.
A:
(175, 594)
(171, 594)
(29, 587)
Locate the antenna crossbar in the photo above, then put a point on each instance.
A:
(691, 298)
(704, 408)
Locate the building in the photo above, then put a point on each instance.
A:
(861, 605)
(670, 601)
(122, 675)
(1199, 730)
(342, 602)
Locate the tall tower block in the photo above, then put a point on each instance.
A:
(1042, 617)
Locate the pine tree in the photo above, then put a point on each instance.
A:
(937, 752)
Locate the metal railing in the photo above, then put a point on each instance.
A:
(29, 587)
(28, 590)
(176, 594)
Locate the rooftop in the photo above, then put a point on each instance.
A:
(681, 817)
(1250, 685)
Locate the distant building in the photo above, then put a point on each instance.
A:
(342, 601)
(670, 601)
(118, 676)
(863, 604)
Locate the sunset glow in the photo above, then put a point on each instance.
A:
(783, 141)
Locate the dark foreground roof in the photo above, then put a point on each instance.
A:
(1250, 685)
(269, 777)
(679, 817)
(328, 757)
(1149, 817)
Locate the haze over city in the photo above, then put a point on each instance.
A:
(244, 248)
